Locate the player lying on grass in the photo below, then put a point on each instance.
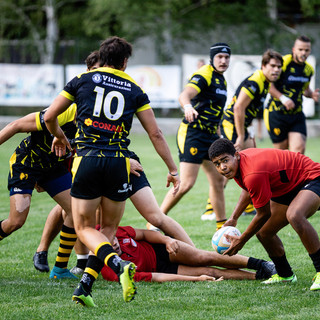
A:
(141, 196)
(284, 187)
(160, 258)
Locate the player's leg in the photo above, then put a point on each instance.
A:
(107, 177)
(193, 257)
(188, 175)
(227, 274)
(297, 142)
(304, 205)
(146, 203)
(277, 126)
(216, 191)
(51, 228)
(267, 235)
(19, 209)
(297, 135)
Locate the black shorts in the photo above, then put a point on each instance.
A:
(228, 131)
(137, 182)
(193, 144)
(163, 262)
(313, 185)
(279, 124)
(22, 179)
(95, 177)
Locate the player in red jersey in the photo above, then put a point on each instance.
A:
(284, 187)
(156, 261)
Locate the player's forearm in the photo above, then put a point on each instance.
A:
(275, 92)
(239, 117)
(161, 146)
(163, 277)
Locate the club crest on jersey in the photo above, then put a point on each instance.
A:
(23, 176)
(96, 78)
(193, 151)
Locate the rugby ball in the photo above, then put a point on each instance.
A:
(219, 242)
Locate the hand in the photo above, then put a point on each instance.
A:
(236, 245)
(175, 180)
(135, 166)
(204, 277)
(172, 246)
(289, 104)
(59, 146)
(38, 188)
(231, 222)
(315, 95)
(190, 113)
(239, 144)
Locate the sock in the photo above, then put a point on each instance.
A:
(282, 265)
(220, 223)
(68, 238)
(315, 257)
(82, 260)
(106, 254)
(2, 233)
(254, 263)
(91, 272)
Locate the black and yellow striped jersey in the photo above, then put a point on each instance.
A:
(106, 101)
(293, 81)
(35, 150)
(210, 100)
(256, 87)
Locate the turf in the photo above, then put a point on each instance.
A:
(26, 293)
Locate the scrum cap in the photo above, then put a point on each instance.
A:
(219, 47)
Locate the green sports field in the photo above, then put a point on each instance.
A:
(26, 293)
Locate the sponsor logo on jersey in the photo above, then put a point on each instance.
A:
(126, 188)
(298, 79)
(97, 78)
(121, 83)
(195, 79)
(220, 91)
(102, 125)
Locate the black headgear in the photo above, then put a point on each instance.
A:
(219, 47)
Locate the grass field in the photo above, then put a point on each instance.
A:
(28, 294)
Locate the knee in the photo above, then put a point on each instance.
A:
(13, 225)
(185, 186)
(296, 220)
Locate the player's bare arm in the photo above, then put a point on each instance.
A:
(59, 105)
(185, 101)
(237, 243)
(24, 124)
(156, 136)
(312, 94)
(242, 203)
(239, 118)
(287, 102)
(172, 245)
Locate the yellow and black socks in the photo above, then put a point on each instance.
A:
(68, 238)
(220, 223)
(91, 272)
(106, 253)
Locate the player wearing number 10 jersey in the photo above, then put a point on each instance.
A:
(106, 98)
